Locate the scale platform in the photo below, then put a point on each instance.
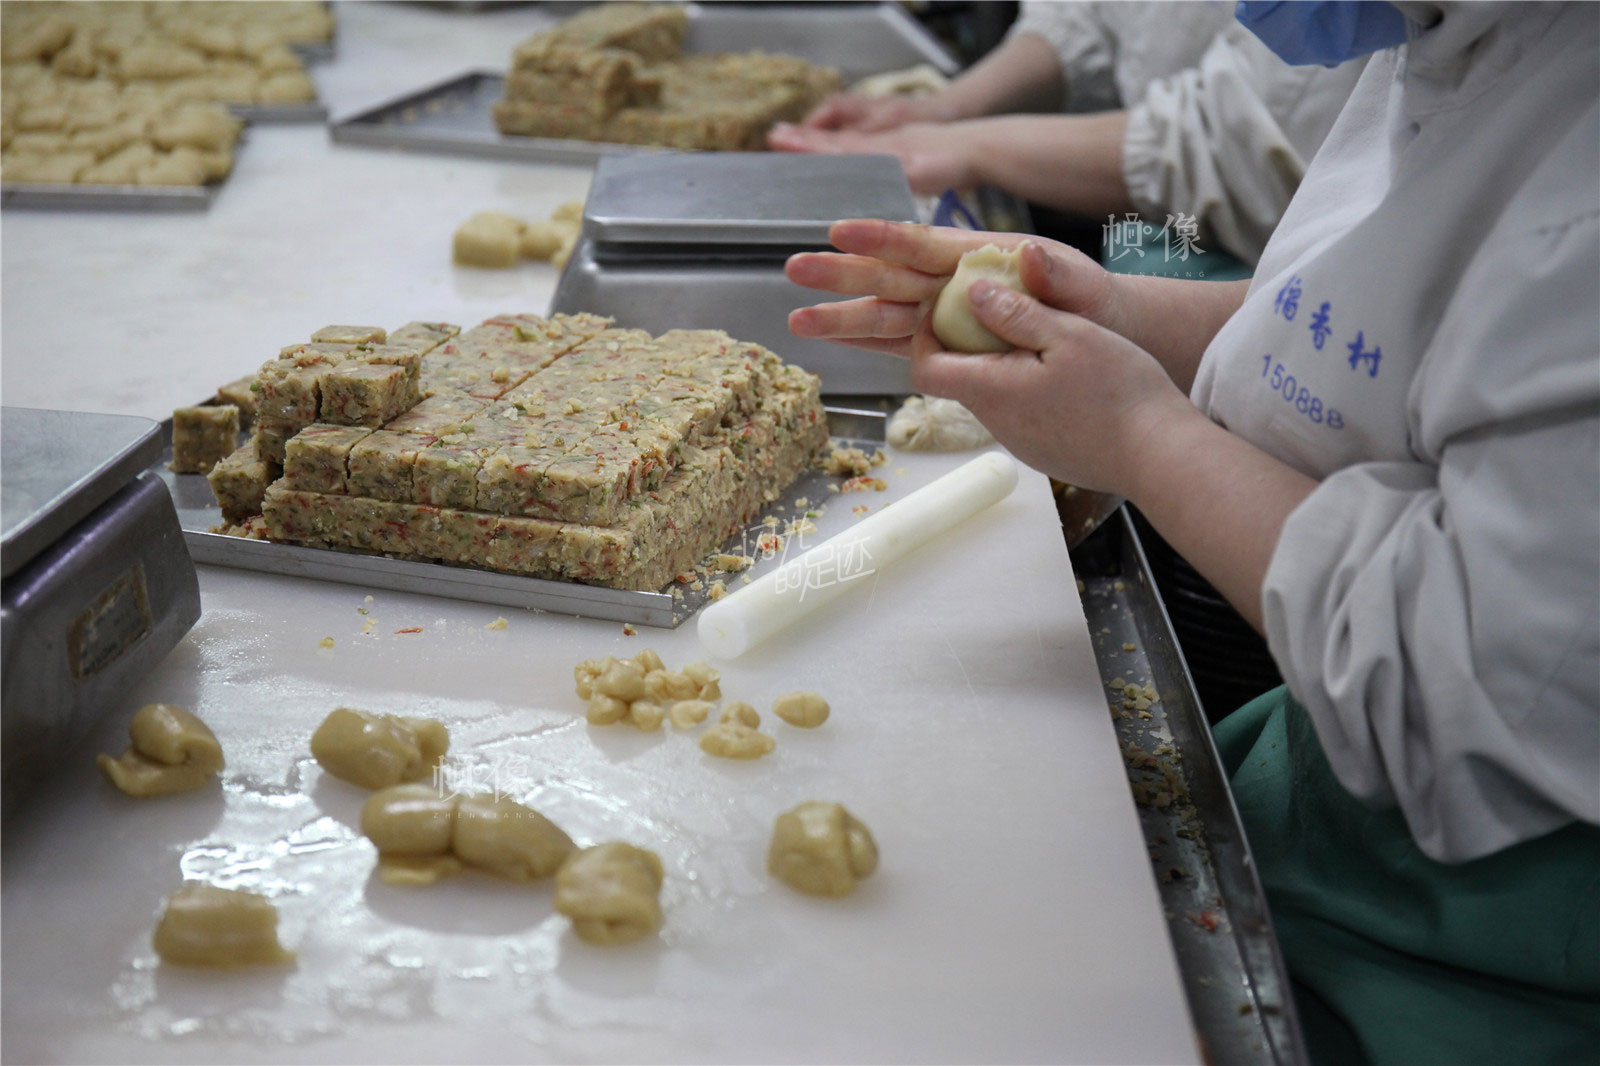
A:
(98, 585)
(697, 240)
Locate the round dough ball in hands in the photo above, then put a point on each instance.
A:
(954, 322)
(821, 849)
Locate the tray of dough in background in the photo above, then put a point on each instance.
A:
(453, 116)
(198, 514)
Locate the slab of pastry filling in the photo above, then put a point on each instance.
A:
(563, 448)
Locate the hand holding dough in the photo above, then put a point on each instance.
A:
(957, 328)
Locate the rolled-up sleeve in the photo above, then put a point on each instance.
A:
(1227, 141)
(1440, 619)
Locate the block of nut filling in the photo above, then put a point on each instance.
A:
(367, 393)
(650, 31)
(317, 458)
(422, 337)
(241, 395)
(203, 436)
(601, 455)
(350, 335)
(239, 482)
(446, 472)
(380, 464)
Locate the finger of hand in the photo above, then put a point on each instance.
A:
(856, 275)
(1019, 319)
(866, 317)
(785, 137)
(833, 113)
(1065, 278)
(930, 249)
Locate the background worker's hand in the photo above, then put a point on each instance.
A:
(935, 157)
(871, 114)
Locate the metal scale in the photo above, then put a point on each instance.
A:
(697, 240)
(97, 584)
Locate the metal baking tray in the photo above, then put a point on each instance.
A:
(152, 198)
(281, 114)
(1233, 971)
(453, 115)
(108, 197)
(198, 515)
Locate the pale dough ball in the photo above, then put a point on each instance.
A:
(953, 321)
(489, 239)
(821, 849)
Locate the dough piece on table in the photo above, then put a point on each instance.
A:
(378, 751)
(156, 59)
(204, 925)
(183, 166)
(196, 125)
(542, 240)
(40, 39)
(489, 239)
(957, 328)
(935, 424)
(502, 837)
(57, 169)
(924, 79)
(732, 739)
(804, 709)
(286, 87)
(104, 141)
(611, 893)
(411, 826)
(120, 167)
(203, 436)
(821, 849)
(171, 751)
(422, 835)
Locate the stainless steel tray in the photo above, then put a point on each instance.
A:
(1233, 972)
(198, 515)
(453, 116)
(281, 114)
(108, 197)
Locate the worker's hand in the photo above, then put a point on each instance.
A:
(896, 269)
(934, 157)
(872, 114)
(1074, 399)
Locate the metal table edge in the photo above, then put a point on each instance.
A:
(1126, 597)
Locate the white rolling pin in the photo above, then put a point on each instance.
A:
(737, 623)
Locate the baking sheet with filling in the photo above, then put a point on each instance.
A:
(199, 515)
(453, 115)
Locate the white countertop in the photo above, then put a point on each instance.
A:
(1014, 916)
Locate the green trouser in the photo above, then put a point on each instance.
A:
(1397, 958)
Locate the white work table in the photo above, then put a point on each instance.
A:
(1014, 916)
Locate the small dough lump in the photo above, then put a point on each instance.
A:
(378, 751)
(954, 323)
(423, 835)
(172, 751)
(804, 709)
(821, 849)
(203, 925)
(610, 892)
